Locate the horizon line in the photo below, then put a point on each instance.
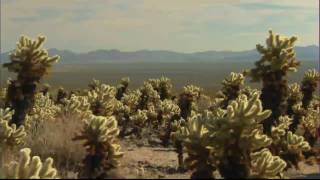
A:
(153, 50)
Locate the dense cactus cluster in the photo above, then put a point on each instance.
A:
(44, 109)
(241, 132)
(228, 139)
(101, 98)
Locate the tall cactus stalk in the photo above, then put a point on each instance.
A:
(122, 88)
(30, 62)
(309, 86)
(278, 58)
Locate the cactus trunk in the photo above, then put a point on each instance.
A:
(274, 97)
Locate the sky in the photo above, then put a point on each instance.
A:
(175, 25)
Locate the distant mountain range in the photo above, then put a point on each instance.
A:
(307, 53)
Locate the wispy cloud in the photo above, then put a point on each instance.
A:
(181, 25)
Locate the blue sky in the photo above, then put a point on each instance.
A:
(178, 25)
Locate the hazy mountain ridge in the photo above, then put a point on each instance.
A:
(101, 56)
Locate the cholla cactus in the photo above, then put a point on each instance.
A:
(44, 109)
(197, 141)
(231, 87)
(225, 139)
(125, 108)
(31, 62)
(296, 143)
(163, 86)
(6, 114)
(294, 96)
(132, 99)
(277, 132)
(309, 124)
(309, 86)
(294, 146)
(168, 110)
(149, 96)
(76, 106)
(138, 120)
(237, 132)
(311, 121)
(278, 58)
(169, 113)
(122, 88)
(266, 166)
(287, 145)
(100, 136)
(102, 99)
(10, 135)
(187, 100)
(294, 100)
(31, 168)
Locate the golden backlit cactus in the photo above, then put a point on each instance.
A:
(197, 140)
(295, 94)
(169, 109)
(149, 96)
(296, 143)
(286, 144)
(139, 120)
(103, 151)
(132, 99)
(266, 166)
(278, 55)
(309, 86)
(225, 139)
(294, 98)
(102, 99)
(6, 114)
(30, 61)
(170, 112)
(44, 110)
(279, 131)
(237, 131)
(10, 135)
(231, 87)
(31, 167)
(163, 86)
(78, 106)
(311, 121)
(277, 59)
(187, 100)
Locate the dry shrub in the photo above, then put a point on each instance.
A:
(54, 139)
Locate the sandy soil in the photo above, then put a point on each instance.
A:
(155, 162)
